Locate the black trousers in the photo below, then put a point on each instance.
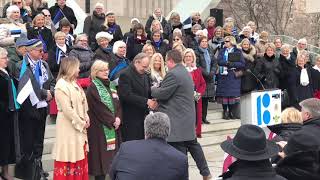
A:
(205, 102)
(196, 152)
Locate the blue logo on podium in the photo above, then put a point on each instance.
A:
(263, 114)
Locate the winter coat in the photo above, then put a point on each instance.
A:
(113, 29)
(191, 42)
(92, 26)
(67, 11)
(163, 22)
(15, 60)
(208, 76)
(85, 57)
(300, 165)
(251, 170)
(134, 46)
(296, 91)
(287, 66)
(216, 44)
(52, 60)
(6, 37)
(169, 28)
(163, 48)
(313, 126)
(268, 71)
(248, 81)
(99, 157)
(103, 55)
(283, 133)
(294, 54)
(229, 85)
(241, 37)
(260, 47)
(46, 35)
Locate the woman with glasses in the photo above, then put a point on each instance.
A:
(105, 118)
(208, 64)
(7, 108)
(82, 51)
(216, 43)
(229, 79)
(48, 22)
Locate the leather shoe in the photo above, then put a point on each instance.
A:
(205, 121)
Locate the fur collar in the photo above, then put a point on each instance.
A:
(250, 56)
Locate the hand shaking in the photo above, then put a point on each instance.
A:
(152, 104)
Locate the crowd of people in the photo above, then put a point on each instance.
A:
(107, 89)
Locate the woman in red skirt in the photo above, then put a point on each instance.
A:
(189, 60)
(70, 149)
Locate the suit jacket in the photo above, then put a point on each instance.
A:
(175, 97)
(134, 92)
(149, 159)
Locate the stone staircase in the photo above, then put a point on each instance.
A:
(213, 135)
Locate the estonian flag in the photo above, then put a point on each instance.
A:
(25, 87)
(187, 24)
(57, 18)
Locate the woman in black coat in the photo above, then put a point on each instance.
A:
(172, 24)
(112, 28)
(136, 42)
(208, 69)
(57, 53)
(7, 108)
(248, 81)
(300, 88)
(268, 69)
(39, 31)
(160, 45)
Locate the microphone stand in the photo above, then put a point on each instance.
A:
(249, 71)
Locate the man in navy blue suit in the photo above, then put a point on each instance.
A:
(151, 158)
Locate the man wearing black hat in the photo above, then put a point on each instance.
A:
(252, 150)
(35, 90)
(300, 157)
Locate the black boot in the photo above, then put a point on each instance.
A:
(205, 121)
(231, 112)
(225, 114)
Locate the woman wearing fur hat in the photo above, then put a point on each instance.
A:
(248, 81)
(104, 51)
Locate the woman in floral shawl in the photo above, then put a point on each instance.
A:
(104, 112)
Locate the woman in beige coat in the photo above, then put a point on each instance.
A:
(70, 149)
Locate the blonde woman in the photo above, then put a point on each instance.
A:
(157, 69)
(70, 149)
(155, 26)
(178, 46)
(149, 50)
(112, 28)
(291, 121)
(189, 60)
(105, 118)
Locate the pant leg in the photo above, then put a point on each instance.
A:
(204, 108)
(101, 177)
(197, 154)
(39, 130)
(180, 146)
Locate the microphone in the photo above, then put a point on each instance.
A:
(249, 71)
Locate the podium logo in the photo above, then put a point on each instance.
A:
(263, 113)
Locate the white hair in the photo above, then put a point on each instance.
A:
(80, 36)
(12, 9)
(103, 34)
(157, 125)
(302, 40)
(202, 32)
(312, 105)
(116, 46)
(99, 4)
(3, 52)
(247, 28)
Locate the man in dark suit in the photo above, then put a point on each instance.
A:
(176, 99)
(134, 93)
(150, 159)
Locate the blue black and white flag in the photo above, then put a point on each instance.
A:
(187, 24)
(57, 18)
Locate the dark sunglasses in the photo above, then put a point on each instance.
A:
(176, 39)
(17, 2)
(226, 41)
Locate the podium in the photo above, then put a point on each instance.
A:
(261, 108)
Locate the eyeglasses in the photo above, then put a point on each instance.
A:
(83, 40)
(16, 3)
(39, 50)
(47, 15)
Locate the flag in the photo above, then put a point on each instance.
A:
(58, 55)
(57, 18)
(45, 49)
(25, 87)
(187, 24)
